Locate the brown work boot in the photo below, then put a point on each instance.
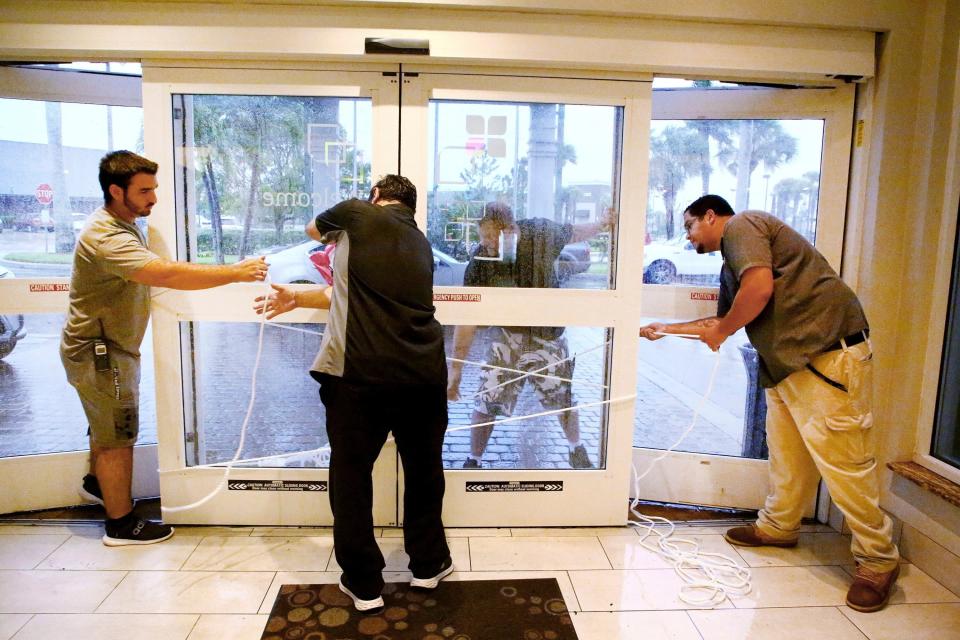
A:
(870, 590)
(750, 536)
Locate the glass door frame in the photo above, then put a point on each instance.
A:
(46, 480)
(180, 484)
(589, 497)
(725, 481)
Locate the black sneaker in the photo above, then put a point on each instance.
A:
(432, 582)
(136, 531)
(471, 464)
(90, 489)
(364, 606)
(579, 458)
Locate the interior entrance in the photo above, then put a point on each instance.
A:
(250, 155)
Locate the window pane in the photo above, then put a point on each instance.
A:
(523, 371)
(946, 438)
(41, 412)
(771, 165)
(674, 375)
(287, 418)
(260, 167)
(557, 164)
(49, 162)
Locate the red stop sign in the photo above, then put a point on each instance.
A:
(44, 194)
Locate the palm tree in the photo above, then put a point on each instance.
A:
(758, 141)
(674, 157)
(719, 131)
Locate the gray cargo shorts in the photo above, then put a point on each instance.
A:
(111, 398)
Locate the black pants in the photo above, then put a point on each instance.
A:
(359, 417)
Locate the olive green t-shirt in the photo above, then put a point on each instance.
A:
(811, 307)
(104, 302)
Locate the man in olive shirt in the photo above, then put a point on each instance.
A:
(100, 348)
(816, 365)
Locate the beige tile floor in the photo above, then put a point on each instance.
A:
(210, 583)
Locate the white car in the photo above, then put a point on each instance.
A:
(226, 222)
(304, 263)
(677, 260)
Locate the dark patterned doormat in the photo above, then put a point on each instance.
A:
(469, 610)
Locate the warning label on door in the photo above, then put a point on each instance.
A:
(515, 485)
(276, 485)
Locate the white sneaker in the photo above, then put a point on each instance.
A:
(431, 583)
(371, 606)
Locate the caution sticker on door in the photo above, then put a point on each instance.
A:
(276, 485)
(514, 485)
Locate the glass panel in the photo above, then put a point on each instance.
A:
(673, 376)
(260, 167)
(524, 371)
(946, 437)
(40, 412)
(49, 158)
(287, 418)
(118, 68)
(772, 165)
(555, 163)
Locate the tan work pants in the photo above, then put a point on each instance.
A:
(815, 429)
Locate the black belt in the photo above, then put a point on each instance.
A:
(852, 339)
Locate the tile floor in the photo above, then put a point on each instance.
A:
(211, 583)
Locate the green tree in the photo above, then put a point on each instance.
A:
(674, 157)
(758, 141)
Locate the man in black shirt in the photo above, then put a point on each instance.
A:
(381, 369)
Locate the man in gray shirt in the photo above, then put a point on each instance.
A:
(816, 365)
(100, 348)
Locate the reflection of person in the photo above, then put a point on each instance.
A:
(815, 362)
(381, 369)
(528, 349)
(109, 308)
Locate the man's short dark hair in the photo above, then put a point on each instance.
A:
(497, 213)
(698, 208)
(394, 187)
(119, 167)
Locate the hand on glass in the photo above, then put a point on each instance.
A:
(251, 269)
(609, 219)
(281, 300)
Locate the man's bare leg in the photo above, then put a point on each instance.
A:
(114, 471)
(479, 436)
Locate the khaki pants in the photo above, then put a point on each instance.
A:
(815, 429)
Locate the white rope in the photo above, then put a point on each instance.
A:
(708, 578)
(243, 427)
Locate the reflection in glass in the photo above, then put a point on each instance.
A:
(287, 418)
(40, 412)
(523, 371)
(673, 376)
(554, 163)
(50, 155)
(258, 168)
(771, 165)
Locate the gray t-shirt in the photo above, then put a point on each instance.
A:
(104, 302)
(811, 307)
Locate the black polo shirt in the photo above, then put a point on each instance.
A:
(381, 328)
